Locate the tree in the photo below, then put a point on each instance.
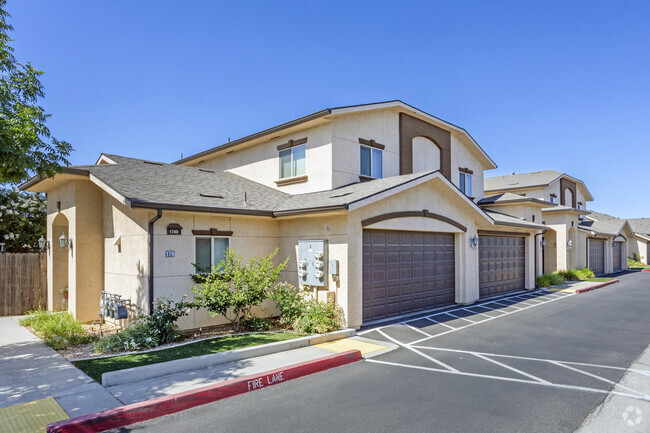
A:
(22, 220)
(232, 289)
(26, 146)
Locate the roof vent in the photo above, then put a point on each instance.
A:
(211, 195)
(153, 162)
(206, 170)
(343, 194)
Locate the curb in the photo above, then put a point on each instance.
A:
(135, 374)
(147, 410)
(597, 286)
(645, 270)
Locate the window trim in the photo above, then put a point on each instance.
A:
(466, 175)
(371, 148)
(291, 162)
(212, 238)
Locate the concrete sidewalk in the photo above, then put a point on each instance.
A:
(175, 383)
(620, 413)
(580, 286)
(30, 370)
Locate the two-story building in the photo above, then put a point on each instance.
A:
(390, 193)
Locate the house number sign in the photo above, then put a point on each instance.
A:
(174, 229)
(170, 254)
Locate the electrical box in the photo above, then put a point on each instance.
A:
(334, 267)
(312, 256)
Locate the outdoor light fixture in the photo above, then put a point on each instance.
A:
(473, 241)
(570, 244)
(543, 243)
(65, 243)
(42, 243)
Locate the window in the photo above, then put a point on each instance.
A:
(465, 183)
(579, 205)
(371, 162)
(553, 198)
(210, 252)
(292, 162)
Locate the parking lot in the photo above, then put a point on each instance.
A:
(534, 362)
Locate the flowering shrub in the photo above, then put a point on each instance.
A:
(150, 331)
(305, 313)
(22, 220)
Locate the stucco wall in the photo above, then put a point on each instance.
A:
(462, 157)
(261, 162)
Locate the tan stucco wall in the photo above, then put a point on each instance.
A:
(462, 157)
(261, 162)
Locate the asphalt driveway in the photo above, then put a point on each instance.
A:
(537, 363)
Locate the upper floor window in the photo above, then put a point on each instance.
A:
(580, 205)
(210, 252)
(371, 162)
(292, 162)
(465, 183)
(554, 198)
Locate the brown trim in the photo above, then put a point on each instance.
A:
(404, 214)
(260, 134)
(310, 210)
(176, 207)
(522, 225)
(371, 143)
(292, 143)
(571, 186)
(291, 180)
(496, 233)
(64, 170)
(465, 170)
(212, 232)
(411, 127)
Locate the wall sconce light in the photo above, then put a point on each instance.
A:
(569, 244)
(473, 241)
(65, 243)
(43, 244)
(543, 243)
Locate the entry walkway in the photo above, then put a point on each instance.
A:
(30, 370)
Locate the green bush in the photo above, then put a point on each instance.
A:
(57, 329)
(287, 299)
(571, 275)
(255, 324)
(150, 331)
(232, 289)
(636, 257)
(586, 273)
(548, 280)
(319, 317)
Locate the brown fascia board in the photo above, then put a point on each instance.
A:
(523, 225)
(188, 208)
(37, 179)
(310, 210)
(242, 140)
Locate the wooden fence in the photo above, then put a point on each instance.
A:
(23, 282)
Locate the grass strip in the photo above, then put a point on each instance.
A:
(600, 280)
(95, 367)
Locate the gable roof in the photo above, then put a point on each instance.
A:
(339, 111)
(528, 180)
(640, 225)
(601, 223)
(510, 198)
(509, 220)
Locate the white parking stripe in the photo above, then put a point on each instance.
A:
(476, 312)
(440, 323)
(462, 318)
(637, 396)
(523, 373)
(506, 305)
(416, 329)
(595, 376)
(440, 363)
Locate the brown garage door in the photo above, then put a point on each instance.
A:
(502, 264)
(406, 271)
(617, 252)
(597, 256)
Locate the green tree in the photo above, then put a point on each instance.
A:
(26, 145)
(22, 220)
(233, 289)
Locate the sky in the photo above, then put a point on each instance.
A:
(539, 84)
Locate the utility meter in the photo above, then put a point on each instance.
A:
(312, 256)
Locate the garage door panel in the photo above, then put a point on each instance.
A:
(617, 252)
(502, 264)
(421, 263)
(597, 256)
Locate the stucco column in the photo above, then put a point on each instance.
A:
(467, 282)
(562, 256)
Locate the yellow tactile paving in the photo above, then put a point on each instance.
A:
(351, 344)
(31, 417)
(562, 290)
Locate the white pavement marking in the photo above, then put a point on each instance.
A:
(637, 396)
(461, 318)
(416, 329)
(595, 376)
(523, 373)
(480, 314)
(442, 364)
(440, 323)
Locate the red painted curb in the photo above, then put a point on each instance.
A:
(598, 286)
(645, 270)
(157, 407)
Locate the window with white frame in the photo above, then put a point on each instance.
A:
(371, 162)
(210, 252)
(292, 162)
(465, 183)
(554, 198)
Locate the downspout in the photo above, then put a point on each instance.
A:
(151, 223)
(537, 253)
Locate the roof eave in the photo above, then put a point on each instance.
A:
(206, 209)
(37, 179)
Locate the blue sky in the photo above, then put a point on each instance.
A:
(539, 85)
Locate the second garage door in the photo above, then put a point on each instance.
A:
(406, 271)
(617, 251)
(502, 264)
(597, 256)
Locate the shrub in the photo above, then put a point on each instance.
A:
(150, 331)
(255, 324)
(287, 299)
(571, 275)
(636, 257)
(232, 289)
(318, 316)
(586, 273)
(57, 329)
(548, 280)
